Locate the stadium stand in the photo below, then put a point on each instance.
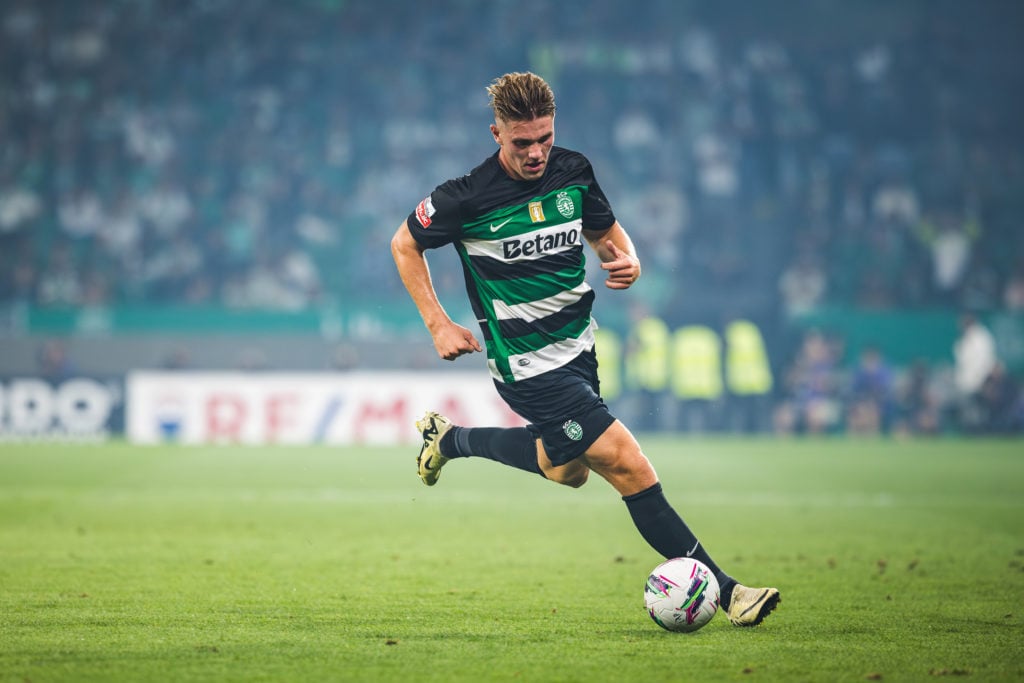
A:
(772, 163)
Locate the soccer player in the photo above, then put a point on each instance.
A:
(518, 222)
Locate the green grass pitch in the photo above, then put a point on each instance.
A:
(897, 560)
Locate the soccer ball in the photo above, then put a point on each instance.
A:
(681, 594)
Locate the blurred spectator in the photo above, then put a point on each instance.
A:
(121, 233)
(300, 277)
(169, 272)
(802, 284)
(1000, 404)
(975, 358)
(895, 202)
(166, 207)
(19, 206)
(717, 158)
(950, 240)
(54, 363)
(811, 400)
(80, 213)
(920, 407)
(871, 403)
(635, 131)
(60, 283)
(1013, 291)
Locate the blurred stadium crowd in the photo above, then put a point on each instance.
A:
(768, 161)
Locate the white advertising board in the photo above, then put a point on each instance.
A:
(303, 408)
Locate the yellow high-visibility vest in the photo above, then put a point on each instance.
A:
(608, 347)
(696, 363)
(647, 355)
(747, 370)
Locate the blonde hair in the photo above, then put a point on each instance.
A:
(521, 97)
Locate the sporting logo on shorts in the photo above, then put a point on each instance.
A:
(573, 430)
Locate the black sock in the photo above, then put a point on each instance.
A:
(514, 446)
(668, 534)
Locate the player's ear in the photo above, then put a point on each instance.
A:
(496, 133)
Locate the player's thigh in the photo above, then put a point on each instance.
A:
(616, 455)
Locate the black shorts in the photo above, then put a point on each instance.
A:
(563, 406)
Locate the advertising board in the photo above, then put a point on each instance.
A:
(303, 408)
(77, 409)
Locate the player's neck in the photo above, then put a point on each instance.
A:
(505, 167)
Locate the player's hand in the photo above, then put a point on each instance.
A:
(623, 269)
(452, 341)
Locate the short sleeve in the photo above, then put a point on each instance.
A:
(597, 212)
(436, 221)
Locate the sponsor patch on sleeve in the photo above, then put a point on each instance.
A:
(424, 211)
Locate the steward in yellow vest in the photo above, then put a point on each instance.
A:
(697, 377)
(696, 363)
(747, 371)
(748, 375)
(608, 347)
(647, 370)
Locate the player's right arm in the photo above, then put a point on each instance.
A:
(450, 339)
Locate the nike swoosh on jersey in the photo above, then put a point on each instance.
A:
(496, 228)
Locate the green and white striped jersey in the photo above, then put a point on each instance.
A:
(521, 245)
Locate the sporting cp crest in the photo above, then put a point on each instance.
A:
(573, 430)
(563, 202)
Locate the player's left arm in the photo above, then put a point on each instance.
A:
(617, 253)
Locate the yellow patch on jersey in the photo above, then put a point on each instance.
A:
(537, 212)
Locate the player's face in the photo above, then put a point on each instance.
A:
(525, 146)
